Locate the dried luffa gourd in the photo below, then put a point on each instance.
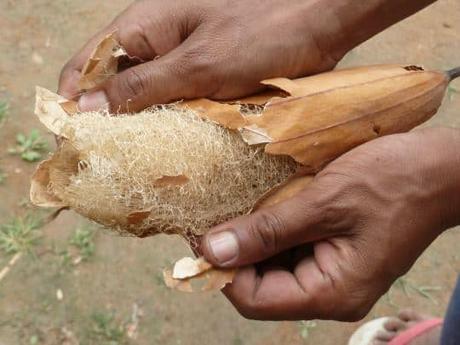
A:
(183, 168)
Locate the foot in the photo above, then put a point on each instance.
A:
(405, 320)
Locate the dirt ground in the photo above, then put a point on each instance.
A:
(116, 295)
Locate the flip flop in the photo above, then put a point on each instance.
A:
(367, 332)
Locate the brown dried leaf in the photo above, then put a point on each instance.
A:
(167, 181)
(49, 110)
(102, 64)
(39, 193)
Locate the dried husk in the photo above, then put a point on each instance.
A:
(102, 63)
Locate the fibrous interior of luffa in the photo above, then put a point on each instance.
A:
(161, 170)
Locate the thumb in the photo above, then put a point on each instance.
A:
(169, 78)
(265, 233)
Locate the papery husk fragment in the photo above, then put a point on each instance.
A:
(39, 194)
(102, 64)
(49, 109)
(188, 273)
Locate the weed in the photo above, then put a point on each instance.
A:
(83, 240)
(3, 111)
(20, 234)
(107, 330)
(408, 286)
(305, 328)
(451, 91)
(2, 176)
(30, 147)
(34, 340)
(237, 341)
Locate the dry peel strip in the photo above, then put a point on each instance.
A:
(198, 270)
(102, 64)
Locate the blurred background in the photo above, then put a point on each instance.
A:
(68, 282)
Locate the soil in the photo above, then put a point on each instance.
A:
(123, 277)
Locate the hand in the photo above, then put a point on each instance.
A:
(334, 249)
(218, 49)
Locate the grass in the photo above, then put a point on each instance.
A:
(3, 111)
(20, 234)
(83, 240)
(409, 288)
(305, 328)
(451, 91)
(30, 147)
(106, 330)
(2, 176)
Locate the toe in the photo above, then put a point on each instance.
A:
(395, 324)
(408, 315)
(385, 336)
(379, 342)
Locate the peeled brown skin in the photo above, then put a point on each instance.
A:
(222, 49)
(333, 250)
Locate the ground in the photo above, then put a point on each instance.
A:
(78, 285)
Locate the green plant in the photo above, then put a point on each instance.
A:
(30, 147)
(20, 234)
(305, 328)
(408, 287)
(2, 176)
(451, 91)
(107, 330)
(3, 111)
(83, 240)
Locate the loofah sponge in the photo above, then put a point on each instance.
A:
(161, 170)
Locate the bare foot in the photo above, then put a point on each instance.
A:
(405, 320)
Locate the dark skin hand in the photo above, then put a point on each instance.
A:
(222, 49)
(347, 237)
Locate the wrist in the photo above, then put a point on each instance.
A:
(350, 23)
(439, 157)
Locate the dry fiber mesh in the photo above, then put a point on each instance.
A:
(121, 158)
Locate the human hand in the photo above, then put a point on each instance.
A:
(333, 250)
(217, 49)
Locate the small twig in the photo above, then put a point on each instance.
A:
(10, 265)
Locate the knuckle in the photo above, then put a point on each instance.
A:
(251, 310)
(134, 83)
(267, 228)
(199, 62)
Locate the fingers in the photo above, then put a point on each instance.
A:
(265, 233)
(172, 77)
(70, 74)
(281, 295)
(145, 30)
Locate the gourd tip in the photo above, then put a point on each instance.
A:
(454, 73)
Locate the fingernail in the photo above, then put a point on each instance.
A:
(224, 246)
(94, 101)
